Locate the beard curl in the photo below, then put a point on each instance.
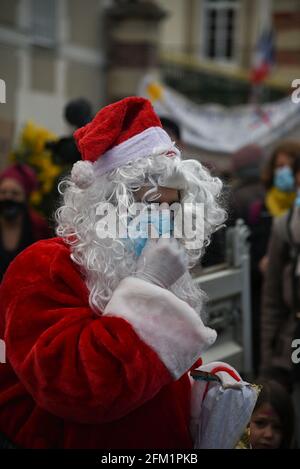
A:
(105, 262)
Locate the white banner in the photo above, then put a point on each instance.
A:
(222, 129)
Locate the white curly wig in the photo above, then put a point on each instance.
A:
(105, 262)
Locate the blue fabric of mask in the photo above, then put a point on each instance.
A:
(284, 179)
(162, 222)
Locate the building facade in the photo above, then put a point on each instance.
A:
(54, 50)
(219, 36)
(50, 52)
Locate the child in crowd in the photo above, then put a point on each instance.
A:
(272, 422)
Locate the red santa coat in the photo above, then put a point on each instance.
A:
(74, 379)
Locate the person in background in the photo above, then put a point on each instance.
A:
(272, 422)
(245, 166)
(20, 226)
(278, 180)
(281, 302)
(77, 113)
(278, 177)
(65, 153)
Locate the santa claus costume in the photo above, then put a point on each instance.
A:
(96, 355)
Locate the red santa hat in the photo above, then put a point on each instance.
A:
(121, 132)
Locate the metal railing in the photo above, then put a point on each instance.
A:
(229, 307)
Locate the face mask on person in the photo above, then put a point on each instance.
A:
(162, 221)
(284, 179)
(11, 209)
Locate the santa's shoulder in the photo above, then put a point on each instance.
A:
(43, 250)
(45, 246)
(40, 260)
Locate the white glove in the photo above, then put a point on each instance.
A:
(161, 262)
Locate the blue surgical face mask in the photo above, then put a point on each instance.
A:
(284, 179)
(161, 220)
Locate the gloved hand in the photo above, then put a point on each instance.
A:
(161, 222)
(162, 262)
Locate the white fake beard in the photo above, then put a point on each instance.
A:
(107, 262)
(104, 263)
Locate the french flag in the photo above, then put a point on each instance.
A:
(264, 57)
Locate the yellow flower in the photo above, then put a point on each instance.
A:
(36, 198)
(34, 138)
(31, 150)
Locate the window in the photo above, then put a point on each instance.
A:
(219, 29)
(43, 22)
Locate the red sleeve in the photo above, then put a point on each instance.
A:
(75, 365)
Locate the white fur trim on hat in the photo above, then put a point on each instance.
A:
(82, 174)
(139, 146)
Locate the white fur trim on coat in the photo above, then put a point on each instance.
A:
(164, 322)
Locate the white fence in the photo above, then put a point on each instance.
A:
(229, 307)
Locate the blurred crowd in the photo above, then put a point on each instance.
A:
(265, 193)
(263, 190)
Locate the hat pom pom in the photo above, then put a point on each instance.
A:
(82, 174)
